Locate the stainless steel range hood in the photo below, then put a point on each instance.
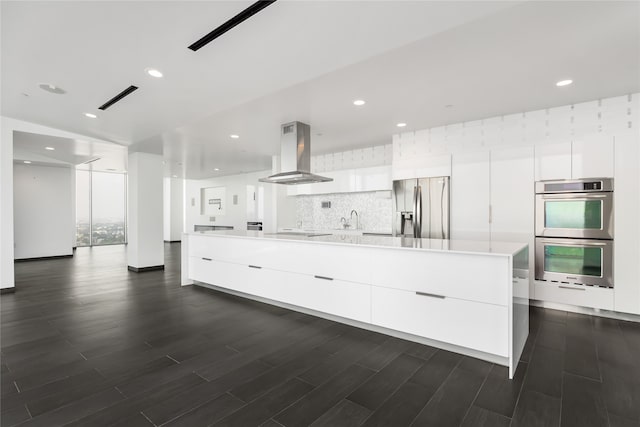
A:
(295, 156)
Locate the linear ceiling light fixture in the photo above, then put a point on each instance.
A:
(118, 97)
(91, 161)
(238, 19)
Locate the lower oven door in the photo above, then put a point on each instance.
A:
(579, 261)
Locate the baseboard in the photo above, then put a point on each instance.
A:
(145, 269)
(42, 258)
(7, 290)
(586, 310)
(173, 241)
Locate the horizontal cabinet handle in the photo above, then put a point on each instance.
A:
(424, 294)
(573, 289)
(206, 259)
(255, 266)
(323, 277)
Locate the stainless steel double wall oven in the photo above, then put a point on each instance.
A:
(574, 231)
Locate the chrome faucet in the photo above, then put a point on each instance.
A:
(344, 222)
(357, 218)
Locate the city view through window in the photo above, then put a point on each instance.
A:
(100, 208)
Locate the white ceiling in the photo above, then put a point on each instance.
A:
(304, 61)
(69, 152)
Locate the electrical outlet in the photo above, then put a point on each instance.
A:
(212, 219)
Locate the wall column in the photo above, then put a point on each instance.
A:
(145, 249)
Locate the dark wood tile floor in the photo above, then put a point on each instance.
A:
(87, 343)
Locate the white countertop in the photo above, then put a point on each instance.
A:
(437, 245)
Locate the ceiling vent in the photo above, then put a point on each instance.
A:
(118, 97)
(238, 19)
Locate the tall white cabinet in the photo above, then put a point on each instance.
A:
(470, 190)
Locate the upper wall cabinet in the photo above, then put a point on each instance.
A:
(347, 181)
(592, 157)
(553, 161)
(373, 179)
(589, 157)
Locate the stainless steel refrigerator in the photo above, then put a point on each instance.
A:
(421, 208)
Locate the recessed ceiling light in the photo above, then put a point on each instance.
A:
(27, 161)
(153, 72)
(564, 82)
(234, 136)
(216, 169)
(111, 169)
(49, 148)
(52, 88)
(175, 176)
(448, 106)
(401, 125)
(90, 115)
(359, 102)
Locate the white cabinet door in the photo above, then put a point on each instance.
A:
(512, 194)
(468, 324)
(223, 274)
(592, 157)
(512, 197)
(553, 161)
(470, 196)
(626, 256)
(373, 179)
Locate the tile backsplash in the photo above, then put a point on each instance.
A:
(374, 211)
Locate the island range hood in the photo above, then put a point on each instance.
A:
(295, 156)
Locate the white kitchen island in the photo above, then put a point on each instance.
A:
(471, 297)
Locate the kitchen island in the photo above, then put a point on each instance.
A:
(470, 297)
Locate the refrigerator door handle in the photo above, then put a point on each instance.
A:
(418, 214)
(414, 220)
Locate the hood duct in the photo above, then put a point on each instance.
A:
(295, 156)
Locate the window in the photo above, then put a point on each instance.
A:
(100, 208)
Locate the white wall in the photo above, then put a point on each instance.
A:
(43, 211)
(173, 202)
(235, 214)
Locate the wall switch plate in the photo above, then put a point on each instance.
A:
(235, 199)
(193, 201)
(212, 219)
(325, 205)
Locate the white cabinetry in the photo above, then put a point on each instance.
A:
(347, 181)
(458, 298)
(592, 157)
(430, 316)
(470, 196)
(512, 197)
(553, 161)
(626, 256)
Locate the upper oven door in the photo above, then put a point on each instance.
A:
(577, 215)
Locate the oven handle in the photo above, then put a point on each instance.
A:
(577, 197)
(578, 245)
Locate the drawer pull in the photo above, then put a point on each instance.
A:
(206, 259)
(424, 294)
(573, 289)
(255, 266)
(323, 277)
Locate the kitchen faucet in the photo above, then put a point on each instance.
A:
(357, 218)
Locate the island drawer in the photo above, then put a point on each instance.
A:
(471, 277)
(223, 274)
(468, 324)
